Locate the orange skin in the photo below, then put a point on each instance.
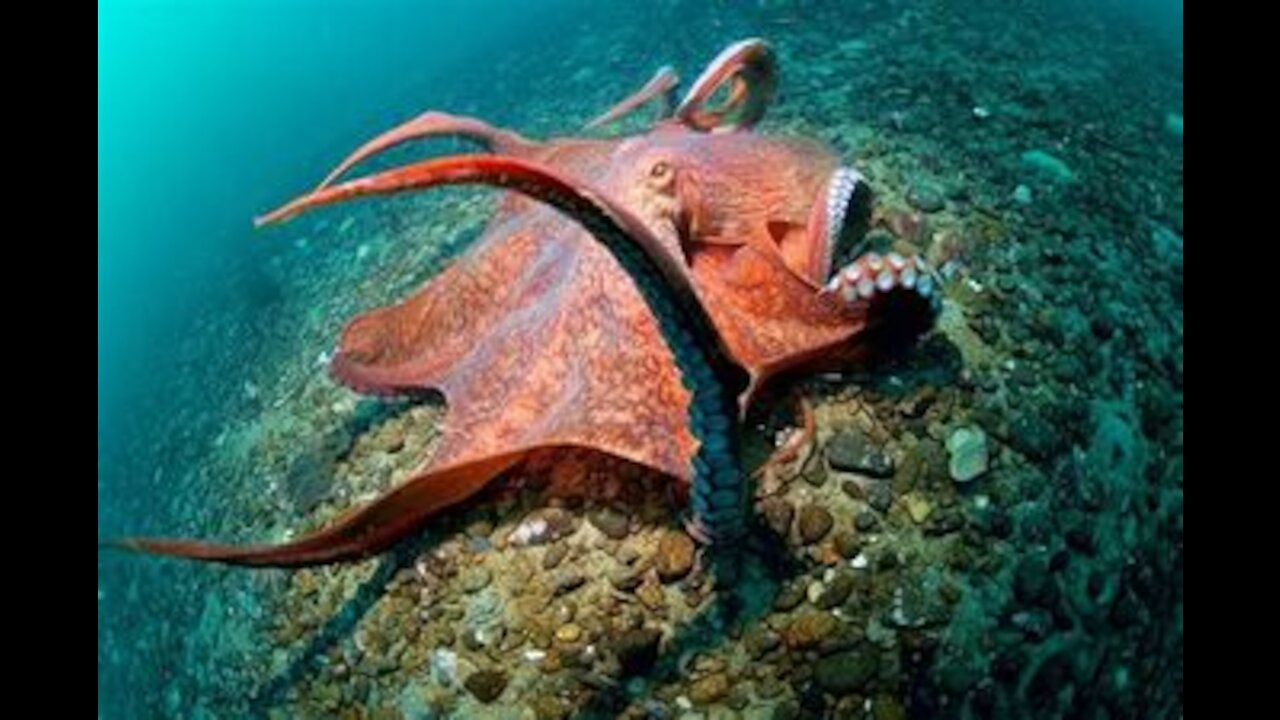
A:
(537, 338)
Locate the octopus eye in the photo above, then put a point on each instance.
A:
(660, 170)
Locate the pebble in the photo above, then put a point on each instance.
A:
(626, 579)
(543, 526)
(547, 707)
(710, 689)
(476, 580)
(760, 641)
(888, 707)
(569, 581)
(926, 197)
(866, 522)
(675, 556)
(1022, 195)
(652, 596)
(789, 597)
(845, 672)
(565, 611)
(554, 556)
(568, 634)
(614, 525)
(808, 630)
(918, 507)
(848, 544)
(778, 514)
(1048, 166)
(852, 451)
(881, 497)
(836, 592)
(486, 685)
(945, 522)
(969, 454)
(814, 524)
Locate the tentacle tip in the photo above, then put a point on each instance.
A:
(118, 545)
(272, 218)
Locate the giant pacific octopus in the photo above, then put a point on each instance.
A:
(631, 296)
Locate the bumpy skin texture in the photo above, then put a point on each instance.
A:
(537, 337)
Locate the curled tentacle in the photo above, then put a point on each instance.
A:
(433, 124)
(661, 87)
(751, 68)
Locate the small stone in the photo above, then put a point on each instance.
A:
(568, 634)
(760, 641)
(710, 689)
(853, 490)
(848, 544)
(789, 597)
(881, 497)
(479, 529)
(564, 611)
(852, 451)
(808, 630)
(816, 475)
(626, 579)
(815, 590)
(548, 707)
(836, 592)
(814, 524)
(786, 710)
(969, 454)
(554, 556)
(637, 650)
(778, 514)
(945, 522)
(926, 197)
(1022, 195)
(652, 596)
(867, 522)
(918, 508)
(1048, 166)
(770, 687)
(542, 527)
(846, 672)
(888, 707)
(614, 525)
(569, 581)
(486, 685)
(675, 556)
(476, 580)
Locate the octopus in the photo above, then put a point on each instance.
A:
(630, 296)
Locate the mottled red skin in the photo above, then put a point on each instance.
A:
(538, 339)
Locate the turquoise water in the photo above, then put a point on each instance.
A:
(1032, 151)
